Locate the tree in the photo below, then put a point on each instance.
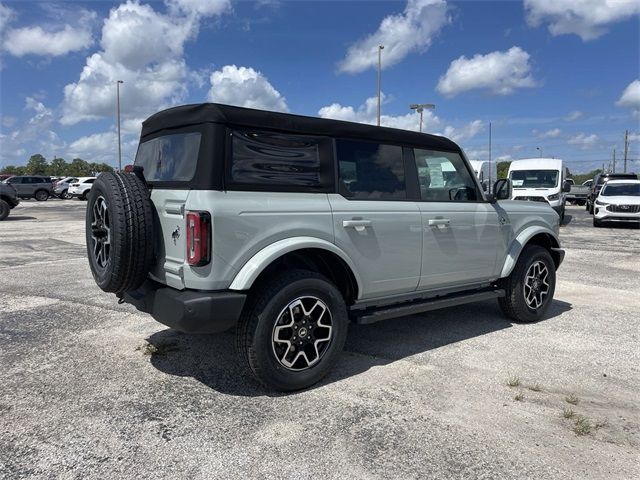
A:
(100, 167)
(37, 165)
(502, 169)
(79, 168)
(58, 167)
(9, 170)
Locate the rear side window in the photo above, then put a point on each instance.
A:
(170, 158)
(371, 171)
(275, 159)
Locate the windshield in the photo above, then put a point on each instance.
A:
(169, 158)
(534, 178)
(621, 190)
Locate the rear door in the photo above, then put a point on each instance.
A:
(374, 221)
(169, 161)
(461, 232)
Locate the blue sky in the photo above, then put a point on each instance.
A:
(560, 75)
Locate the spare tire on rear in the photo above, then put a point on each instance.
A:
(119, 232)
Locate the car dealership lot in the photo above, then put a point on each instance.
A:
(92, 389)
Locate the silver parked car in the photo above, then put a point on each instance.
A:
(32, 186)
(288, 227)
(61, 187)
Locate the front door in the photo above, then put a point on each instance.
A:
(373, 221)
(461, 232)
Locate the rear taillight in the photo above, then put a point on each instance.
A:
(198, 238)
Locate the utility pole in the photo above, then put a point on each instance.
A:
(380, 48)
(119, 141)
(626, 148)
(614, 160)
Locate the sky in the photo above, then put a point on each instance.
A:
(557, 78)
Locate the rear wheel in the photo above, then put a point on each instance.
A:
(65, 195)
(4, 210)
(41, 195)
(530, 287)
(292, 330)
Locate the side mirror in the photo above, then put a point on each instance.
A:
(566, 187)
(502, 189)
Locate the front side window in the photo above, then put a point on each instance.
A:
(443, 177)
(621, 190)
(170, 158)
(371, 171)
(534, 178)
(275, 159)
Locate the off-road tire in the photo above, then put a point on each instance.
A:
(4, 210)
(41, 195)
(513, 304)
(131, 232)
(260, 314)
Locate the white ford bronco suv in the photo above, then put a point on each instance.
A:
(288, 227)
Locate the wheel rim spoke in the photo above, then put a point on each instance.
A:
(101, 232)
(302, 333)
(536, 285)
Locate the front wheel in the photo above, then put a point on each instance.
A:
(292, 330)
(4, 209)
(597, 223)
(530, 287)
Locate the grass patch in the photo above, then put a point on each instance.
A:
(536, 387)
(160, 349)
(582, 426)
(513, 382)
(568, 412)
(572, 399)
(519, 397)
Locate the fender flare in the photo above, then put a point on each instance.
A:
(519, 243)
(255, 266)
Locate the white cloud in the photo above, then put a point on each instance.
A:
(498, 72)
(572, 116)
(36, 41)
(96, 146)
(631, 97)
(368, 113)
(464, 133)
(205, 8)
(504, 158)
(584, 142)
(144, 48)
(588, 19)
(400, 34)
(553, 133)
(245, 87)
(6, 15)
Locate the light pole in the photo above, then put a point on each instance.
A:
(419, 107)
(119, 141)
(380, 48)
(539, 152)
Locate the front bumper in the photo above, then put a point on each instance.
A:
(601, 212)
(189, 311)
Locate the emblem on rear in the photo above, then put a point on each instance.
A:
(176, 235)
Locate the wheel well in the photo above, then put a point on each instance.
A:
(317, 260)
(548, 242)
(5, 198)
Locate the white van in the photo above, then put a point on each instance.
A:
(540, 180)
(482, 170)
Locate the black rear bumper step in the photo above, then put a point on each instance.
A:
(384, 313)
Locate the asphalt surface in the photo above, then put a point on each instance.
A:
(419, 397)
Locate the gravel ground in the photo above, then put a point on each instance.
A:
(426, 396)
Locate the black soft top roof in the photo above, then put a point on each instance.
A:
(247, 117)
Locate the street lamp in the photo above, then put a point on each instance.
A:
(419, 107)
(119, 141)
(380, 48)
(539, 152)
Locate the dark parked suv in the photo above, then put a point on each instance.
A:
(599, 180)
(32, 186)
(8, 199)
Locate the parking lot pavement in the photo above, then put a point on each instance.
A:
(419, 397)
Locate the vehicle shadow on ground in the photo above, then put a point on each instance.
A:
(15, 218)
(212, 359)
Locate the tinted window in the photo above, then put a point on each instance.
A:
(534, 178)
(264, 158)
(170, 157)
(443, 177)
(90, 180)
(16, 180)
(371, 171)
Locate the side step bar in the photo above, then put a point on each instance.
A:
(371, 316)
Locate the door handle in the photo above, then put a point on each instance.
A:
(439, 222)
(359, 225)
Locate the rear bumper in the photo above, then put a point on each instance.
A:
(189, 311)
